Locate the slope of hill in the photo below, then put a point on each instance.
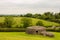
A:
(17, 21)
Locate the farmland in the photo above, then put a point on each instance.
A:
(24, 36)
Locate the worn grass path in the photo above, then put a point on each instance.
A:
(24, 36)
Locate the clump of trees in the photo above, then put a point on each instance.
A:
(26, 22)
(49, 16)
(8, 22)
(39, 23)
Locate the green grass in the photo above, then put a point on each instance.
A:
(17, 21)
(24, 36)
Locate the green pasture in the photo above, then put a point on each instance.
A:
(24, 36)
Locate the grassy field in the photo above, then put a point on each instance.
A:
(24, 36)
(17, 21)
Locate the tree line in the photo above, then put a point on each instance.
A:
(49, 16)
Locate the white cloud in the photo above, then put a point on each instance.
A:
(20, 1)
(25, 6)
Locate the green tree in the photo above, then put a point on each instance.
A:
(28, 15)
(8, 22)
(48, 15)
(36, 16)
(57, 15)
(26, 22)
(39, 23)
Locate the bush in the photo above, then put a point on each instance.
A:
(26, 22)
(39, 23)
(8, 22)
(12, 29)
(54, 30)
(2, 25)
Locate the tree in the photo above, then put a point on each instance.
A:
(48, 15)
(57, 15)
(39, 23)
(26, 22)
(36, 16)
(28, 15)
(21, 15)
(8, 22)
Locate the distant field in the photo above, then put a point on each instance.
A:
(17, 21)
(24, 36)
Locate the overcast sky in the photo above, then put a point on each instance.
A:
(28, 6)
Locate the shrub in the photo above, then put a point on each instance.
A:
(53, 30)
(2, 25)
(12, 29)
(8, 22)
(26, 22)
(39, 23)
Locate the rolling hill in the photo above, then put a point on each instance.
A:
(17, 21)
